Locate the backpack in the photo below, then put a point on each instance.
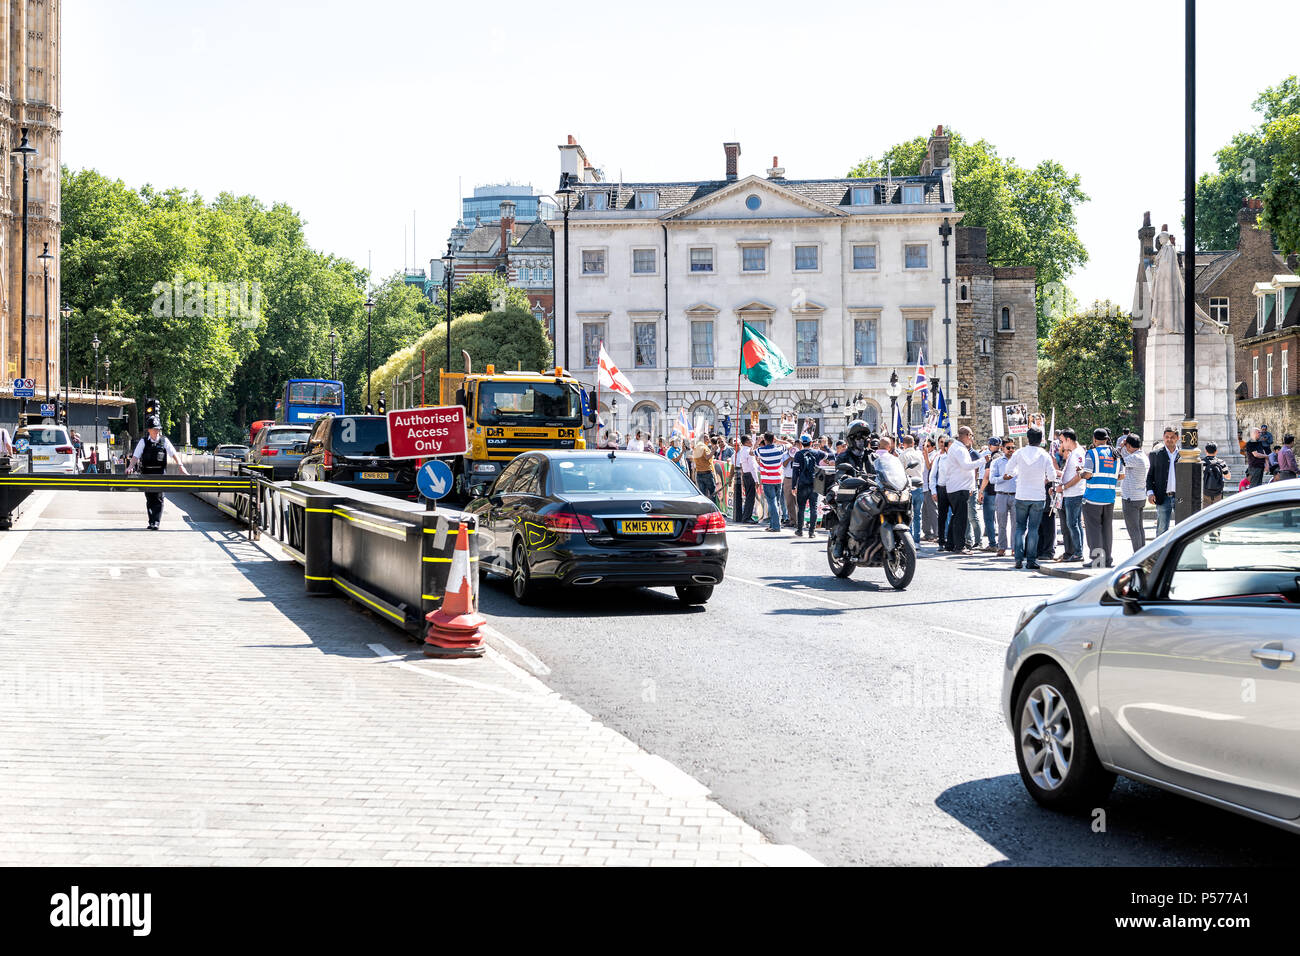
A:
(1212, 481)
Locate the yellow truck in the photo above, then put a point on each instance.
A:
(510, 413)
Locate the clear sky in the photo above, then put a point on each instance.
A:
(363, 114)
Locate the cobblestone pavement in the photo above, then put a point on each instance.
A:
(193, 705)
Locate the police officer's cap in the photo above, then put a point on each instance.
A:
(152, 422)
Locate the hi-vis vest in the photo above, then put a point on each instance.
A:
(1104, 465)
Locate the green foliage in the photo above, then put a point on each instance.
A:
(486, 292)
(1029, 213)
(510, 340)
(1086, 372)
(1259, 162)
(401, 315)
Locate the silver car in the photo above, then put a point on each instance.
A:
(1177, 669)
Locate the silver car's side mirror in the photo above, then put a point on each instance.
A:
(1127, 589)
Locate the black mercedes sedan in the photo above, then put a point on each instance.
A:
(599, 518)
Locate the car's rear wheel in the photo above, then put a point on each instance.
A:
(694, 593)
(1058, 762)
(521, 581)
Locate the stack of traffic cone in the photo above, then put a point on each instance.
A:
(456, 628)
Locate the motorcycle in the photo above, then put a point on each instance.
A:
(872, 517)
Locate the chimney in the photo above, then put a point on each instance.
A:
(571, 157)
(776, 172)
(1250, 237)
(507, 208)
(936, 151)
(733, 154)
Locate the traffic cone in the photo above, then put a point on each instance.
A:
(456, 628)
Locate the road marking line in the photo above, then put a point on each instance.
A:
(388, 657)
(802, 592)
(14, 538)
(669, 780)
(531, 661)
(152, 572)
(781, 854)
(973, 637)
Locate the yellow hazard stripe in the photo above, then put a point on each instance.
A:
(366, 600)
(445, 560)
(313, 577)
(322, 511)
(394, 532)
(456, 531)
(431, 597)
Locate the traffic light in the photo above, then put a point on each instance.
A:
(383, 404)
(152, 407)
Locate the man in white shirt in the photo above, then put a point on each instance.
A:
(961, 468)
(914, 466)
(1072, 488)
(636, 443)
(746, 480)
(939, 473)
(1032, 469)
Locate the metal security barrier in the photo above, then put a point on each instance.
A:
(388, 555)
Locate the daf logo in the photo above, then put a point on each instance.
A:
(646, 507)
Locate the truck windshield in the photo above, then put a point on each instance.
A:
(535, 402)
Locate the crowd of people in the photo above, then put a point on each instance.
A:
(1017, 498)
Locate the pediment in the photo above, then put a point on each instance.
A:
(775, 201)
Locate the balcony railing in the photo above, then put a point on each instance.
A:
(701, 375)
(808, 371)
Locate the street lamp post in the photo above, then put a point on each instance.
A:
(108, 362)
(370, 307)
(567, 191)
(893, 390)
(66, 314)
(448, 261)
(94, 344)
(24, 149)
(945, 231)
(613, 414)
(45, 258)
(1187, 471)
(334, 355)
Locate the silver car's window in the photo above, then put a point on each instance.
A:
(1254, 558)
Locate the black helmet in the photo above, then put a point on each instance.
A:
(152, 422)
(858, 429)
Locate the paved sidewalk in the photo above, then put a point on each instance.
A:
(208, 711)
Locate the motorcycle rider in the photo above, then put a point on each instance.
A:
(858, 454)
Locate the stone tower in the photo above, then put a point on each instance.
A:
(30, 83)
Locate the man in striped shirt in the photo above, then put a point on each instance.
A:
(771, 457)
(1133, 489)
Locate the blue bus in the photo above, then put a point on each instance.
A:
(307, 399)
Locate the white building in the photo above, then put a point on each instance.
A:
(846, 276)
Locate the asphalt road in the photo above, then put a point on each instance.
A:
(855, 722)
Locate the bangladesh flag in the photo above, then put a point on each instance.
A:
(760, 360)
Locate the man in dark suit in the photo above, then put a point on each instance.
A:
(1161, 480)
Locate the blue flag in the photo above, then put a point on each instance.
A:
(941, 406)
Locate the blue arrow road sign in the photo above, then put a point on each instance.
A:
(434, 479)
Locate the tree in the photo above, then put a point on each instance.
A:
(486, 292)
(1258, 162)
(1029, 213)
(511, 339)
(1086, 371)
(401, 315)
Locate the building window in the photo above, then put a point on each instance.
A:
(1254, 374)
(1006, 322)
(986, 345)
(593, 333)
(805, 258)
(753, 258)
(864, 195)
(1285, 372)
(963, 293)
(758, 325)
(916, 255)
(1268, 375)
(702, 344)
(864, 341)
(707, 412)
(593, 262)
(752, 203)
(912, 195)
(917, 332)
(1263, 305)
(702, 259)
(864, 257)
(647, 200)
(1219, 309)
(644, 261)
(1008, 388)
(963, 409)
(596, 200)
(805, 342)
(643, 344)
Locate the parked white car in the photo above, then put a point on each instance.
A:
(51, 449)
(1177, 669)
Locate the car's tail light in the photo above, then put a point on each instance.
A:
(270, 451)
(327, 459)
(705, 524)
(570, 522)
(64, 449)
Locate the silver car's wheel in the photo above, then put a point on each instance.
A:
(1047, 736)
(1058, 762)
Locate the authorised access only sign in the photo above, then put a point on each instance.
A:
(427, 432)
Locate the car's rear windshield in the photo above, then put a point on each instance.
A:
(359, 435)
(287, 436)
(46, 436)
(631, 474)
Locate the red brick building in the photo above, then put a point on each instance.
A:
(526, 259)
(1269, 351)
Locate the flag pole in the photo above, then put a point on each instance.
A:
(602, 346)
(740, 366)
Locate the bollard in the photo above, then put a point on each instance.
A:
(318, 545)
(456, 628)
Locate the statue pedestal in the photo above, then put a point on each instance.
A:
(1216, 400)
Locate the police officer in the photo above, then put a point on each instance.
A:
(150, 456)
